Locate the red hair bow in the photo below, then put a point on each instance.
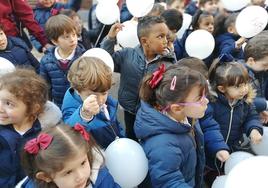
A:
(42, 141)
(82, 131)
(157, 76)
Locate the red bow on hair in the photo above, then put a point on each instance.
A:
(82, 131)
(157, 76)
(54, 11)
(41, 142)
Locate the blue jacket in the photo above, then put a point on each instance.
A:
(18, 53)
(104, 180)
(103, 130)
(225, 44)
(42, 14)
(11, 142)
(51, 71)
(223, 125)
(176, 158)
(132, 66)
(191, 8)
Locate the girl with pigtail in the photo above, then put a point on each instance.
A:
(64, 157)
(174, 146)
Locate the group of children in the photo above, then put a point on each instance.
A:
(187, 114)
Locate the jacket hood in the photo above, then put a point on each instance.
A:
(150, 122)
(50, 116)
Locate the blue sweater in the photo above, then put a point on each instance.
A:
(176, 157)
(104, 131)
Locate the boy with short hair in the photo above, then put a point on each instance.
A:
(57, 60)
(16, 51)
(134, 63)
(256, 57)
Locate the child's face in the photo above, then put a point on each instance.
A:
(3, 40)
(259, 65)
(171, 37)
(207, 23)
(47, 3)
(236, 92)
(210, 7)
(75, 173)
(78, 24)
(156, 41)
(258, 2)
(178, 4)
(12, 110)
(67, 42)
(101, 96)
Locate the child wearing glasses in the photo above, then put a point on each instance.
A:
(165, 125)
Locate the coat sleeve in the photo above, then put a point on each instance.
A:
(24, 13)
(252, 121)
(214, 140)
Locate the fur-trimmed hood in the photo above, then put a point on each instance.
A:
(50, 116)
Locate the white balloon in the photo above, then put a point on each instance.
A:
(219, 182)
(234, 159)
(234, 5)
(128, 37)
(251, 21)
(126, 162)
(250, 173)
(139, 8)
(101, 54)
(6, 66)
(200, 44)
(187, 19)
(107, 13)
(262, 147)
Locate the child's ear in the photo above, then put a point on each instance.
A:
(221, 89)
(43, 176)
(250, 61)
(55, 42)
(143, 41)
(175, 108)
(230, 29)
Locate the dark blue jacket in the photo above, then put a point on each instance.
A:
(176, 158)
(132, 66)
(223, 125)
(18, 53)
(11, 143)
(191, 8)
(56, 77)
(42, 14)
(104, 180)
(104, 131)
(225, 44)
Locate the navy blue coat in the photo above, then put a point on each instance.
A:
(104, 131)
(176, 158)
(191, 8)
(18, 53)
(225, 44)
(104, 180)
(11, 142)
(132, 66)
(51, 71)
(223, 125)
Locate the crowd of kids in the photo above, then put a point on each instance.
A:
(57, 116)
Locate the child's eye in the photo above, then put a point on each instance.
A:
(68, 172)
(84, 162)
(8, 103)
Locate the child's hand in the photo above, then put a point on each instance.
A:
(222, 155)
(114, 30)
(255, 136)
(90, 106)
(240, 42)
(264, 116)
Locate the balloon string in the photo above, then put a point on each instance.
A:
(99, 36)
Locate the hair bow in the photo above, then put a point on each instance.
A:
(157, 76)
(82, 131)
(42, 141)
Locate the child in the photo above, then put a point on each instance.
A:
(201, 20)
(175, 4)
(66, 158)
(88, 103)
(157, 10)
(134, 63)
(256, 57)
(23, 95)
(16, 51)
(57, 60)
(230, 113)
(228, 41)
(173, 146)
(44, 10)
(210, 6)
(82, 33)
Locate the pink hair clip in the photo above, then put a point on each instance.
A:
(173, 83)
(42, 141)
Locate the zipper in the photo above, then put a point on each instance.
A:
(230, 124)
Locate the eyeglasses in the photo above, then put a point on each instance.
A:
(200, 102)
